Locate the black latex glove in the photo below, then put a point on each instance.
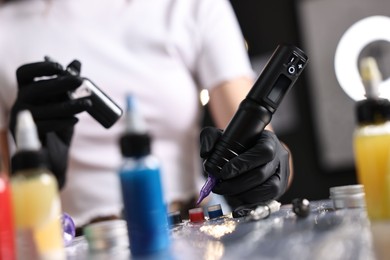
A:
(43, 89)
(259, 174)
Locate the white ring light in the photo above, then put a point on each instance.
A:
(358, 36)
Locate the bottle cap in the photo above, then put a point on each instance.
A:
(135, 145)
(135, 142)
(373, 111)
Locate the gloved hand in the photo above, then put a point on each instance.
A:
(259, 174)
(43, 89)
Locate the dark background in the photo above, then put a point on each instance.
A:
(265, 24)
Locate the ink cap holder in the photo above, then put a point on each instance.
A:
(107, 235)
(349, 196)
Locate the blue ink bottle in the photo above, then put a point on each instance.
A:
(144, 208)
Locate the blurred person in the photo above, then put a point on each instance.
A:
(163, 52)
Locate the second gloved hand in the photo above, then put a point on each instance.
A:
(43, 89)
(259, 174)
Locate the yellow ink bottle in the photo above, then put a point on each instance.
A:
(372, 144)
(35, 197)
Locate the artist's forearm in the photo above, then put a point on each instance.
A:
(225, 99)
(4, 151)
(291, 165)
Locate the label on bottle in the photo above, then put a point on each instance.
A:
(25, 244)
(29, 247)
(37, 214)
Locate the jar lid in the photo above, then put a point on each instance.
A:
(106, 235)
(345, 190)
(349, 196)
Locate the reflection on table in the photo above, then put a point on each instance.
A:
(325, 233)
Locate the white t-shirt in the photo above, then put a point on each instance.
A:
(163, 52)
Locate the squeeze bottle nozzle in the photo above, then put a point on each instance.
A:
(26, 132)
(134, 121)
(371, 77)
